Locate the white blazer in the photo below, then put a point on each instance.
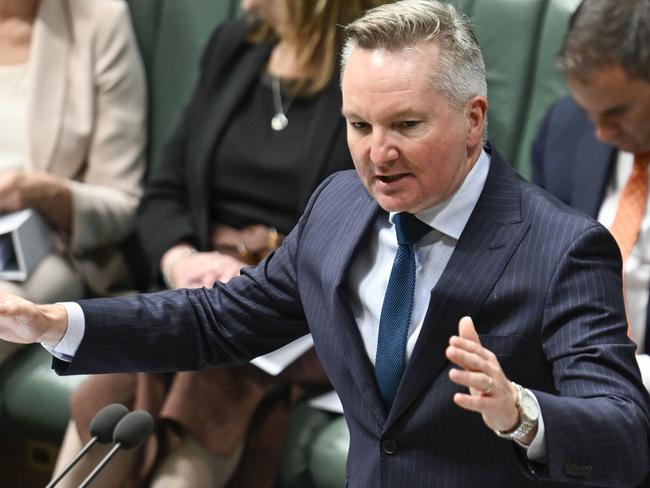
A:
(86, 120)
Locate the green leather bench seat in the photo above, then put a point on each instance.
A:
(329, 452)
(34, 398)
(315, 450)
(519, 40)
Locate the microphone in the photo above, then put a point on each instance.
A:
(130, 432)
(101, 430)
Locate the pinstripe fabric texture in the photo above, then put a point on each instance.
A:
(572, 164)
(541, 281)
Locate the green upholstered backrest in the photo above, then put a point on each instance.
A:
(519, 40)
(34, 399)
(508, 33)
(548, 84)
(145, 15)
(328, 455)
(171, 35)
(304, 426)
(185, 26)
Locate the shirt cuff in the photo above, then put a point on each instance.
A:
(643, 361)
(67, 347)
(537, 450)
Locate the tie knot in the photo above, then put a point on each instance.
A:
(409, 228)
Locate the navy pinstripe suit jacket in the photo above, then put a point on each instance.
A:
(571, 163)
(541, 281)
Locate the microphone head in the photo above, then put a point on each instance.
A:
(103, 425)
(133, 429)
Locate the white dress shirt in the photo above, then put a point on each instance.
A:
(370, 271)
(636, 270)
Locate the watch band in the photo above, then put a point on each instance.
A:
(525, 425)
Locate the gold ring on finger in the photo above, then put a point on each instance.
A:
(488, 390)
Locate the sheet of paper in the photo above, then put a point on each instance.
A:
(275, 362)
(10, 221)
(27, 238)
(329, 402)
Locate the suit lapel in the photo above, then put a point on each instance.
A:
(48, 81)
(491, 236)
(592, 170)
(363, 215)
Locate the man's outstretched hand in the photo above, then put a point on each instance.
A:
(490, 393)
(24, 322)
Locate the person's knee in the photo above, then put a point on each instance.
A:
(191, 465)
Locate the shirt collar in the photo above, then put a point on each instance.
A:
(451, 216)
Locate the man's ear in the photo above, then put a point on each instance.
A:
(476, 113)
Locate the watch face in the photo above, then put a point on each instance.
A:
(529, 406)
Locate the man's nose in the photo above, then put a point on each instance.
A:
(607, 131)
(382, 150)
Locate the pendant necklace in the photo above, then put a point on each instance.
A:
(279, 121)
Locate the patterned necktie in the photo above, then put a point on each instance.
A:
(397, 308)
(631, 206)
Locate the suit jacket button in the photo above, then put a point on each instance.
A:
(389, 446)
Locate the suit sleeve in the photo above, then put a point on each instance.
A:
(597, 424)
(188, 329)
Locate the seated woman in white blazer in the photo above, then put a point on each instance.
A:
(72, 137)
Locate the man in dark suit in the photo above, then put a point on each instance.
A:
(585, 152)
(385, 269)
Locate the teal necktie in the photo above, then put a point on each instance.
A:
(396, 310)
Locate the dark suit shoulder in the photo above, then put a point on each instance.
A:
(542, 209)
(509, 198)
(342, 186)
(568, 160)
(564, 127)
(566, 111)
(342, 193)
(559, 235)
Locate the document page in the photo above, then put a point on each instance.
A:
(276, 361)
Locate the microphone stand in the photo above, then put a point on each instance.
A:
(71, 464)
(100, 466)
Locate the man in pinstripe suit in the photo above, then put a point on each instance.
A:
(540, 282)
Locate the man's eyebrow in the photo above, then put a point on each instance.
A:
(348, 114)
(407, 113)
(617, 109)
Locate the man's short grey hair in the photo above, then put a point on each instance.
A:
(460, 71)
(608, 33)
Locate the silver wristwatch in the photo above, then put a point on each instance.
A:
(528, 415)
